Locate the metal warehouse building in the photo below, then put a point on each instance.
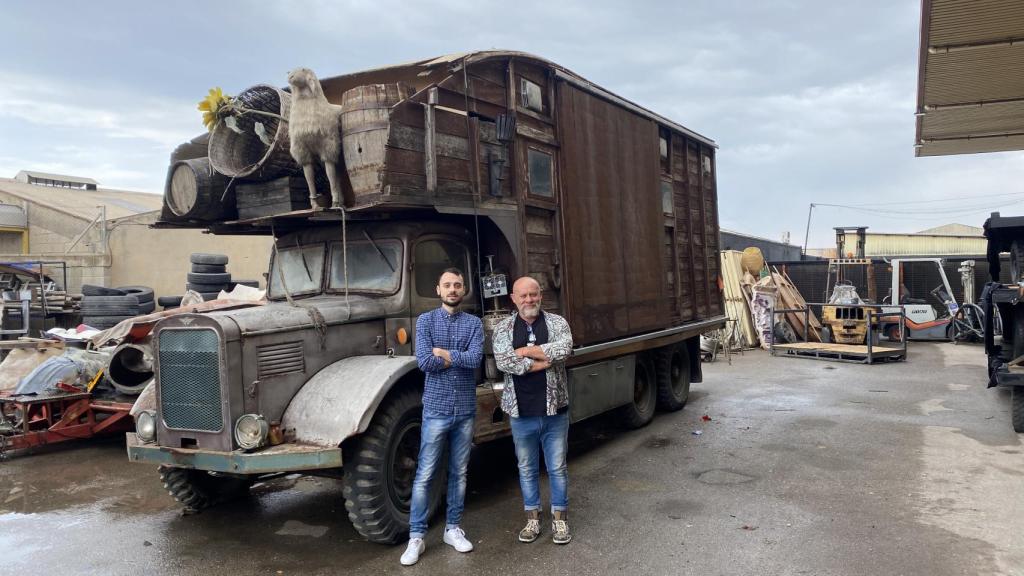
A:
(103, 235)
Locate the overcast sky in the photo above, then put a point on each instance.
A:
(809, 101)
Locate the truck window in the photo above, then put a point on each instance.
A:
(302, 268)
(432, 258)
(369, 269)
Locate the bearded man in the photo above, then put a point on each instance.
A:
(530, 347)
(449, 348)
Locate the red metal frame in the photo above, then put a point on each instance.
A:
(54, 419)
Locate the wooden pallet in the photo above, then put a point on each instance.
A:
(842, 352)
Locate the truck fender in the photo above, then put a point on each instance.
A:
(339, 401)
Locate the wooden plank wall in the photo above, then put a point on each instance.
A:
(612, 222)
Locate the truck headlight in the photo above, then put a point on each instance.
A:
(251, 431)
(145, 426)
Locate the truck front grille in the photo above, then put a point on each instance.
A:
(190, 380)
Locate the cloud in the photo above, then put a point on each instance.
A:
(42, 102)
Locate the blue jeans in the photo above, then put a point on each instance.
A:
(550, 434)
(440, 431)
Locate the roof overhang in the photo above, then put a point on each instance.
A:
(970, 93)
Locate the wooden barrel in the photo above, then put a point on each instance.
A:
(244, 155)
(364, 132)
(194, 191)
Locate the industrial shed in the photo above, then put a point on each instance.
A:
(970, 94)
(103, 235)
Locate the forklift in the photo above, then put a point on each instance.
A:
(843, 317)
(926, 319)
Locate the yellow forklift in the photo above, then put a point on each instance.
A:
(844, 318)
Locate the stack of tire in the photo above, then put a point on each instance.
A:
(104, 308)
(208, 276)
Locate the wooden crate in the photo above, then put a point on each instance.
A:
(278, 196)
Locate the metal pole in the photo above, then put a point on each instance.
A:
(807, 233)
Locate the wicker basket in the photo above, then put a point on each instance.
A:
(245, 155)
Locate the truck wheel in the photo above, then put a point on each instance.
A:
(640, 411)
(1017, 408)
(198, 489)
(380, 466)
(673, 373)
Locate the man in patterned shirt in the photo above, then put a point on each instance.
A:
(449, 348)
(530, 348)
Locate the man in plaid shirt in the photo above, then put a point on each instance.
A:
(449, 348)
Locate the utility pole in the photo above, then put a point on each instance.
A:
(808, 232)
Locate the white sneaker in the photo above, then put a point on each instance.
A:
(456, 538)
(413, 551)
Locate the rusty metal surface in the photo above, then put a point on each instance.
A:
(340, 400)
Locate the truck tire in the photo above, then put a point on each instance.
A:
(380, 466)
(198, 489)
(1016, 261)
(209, 268)
(640, 411)
(200, 258)
(94, 290)
(208, 277)
(673, 373)
(142, 293)
(169, 301)
(103, 322)
(1017, 409)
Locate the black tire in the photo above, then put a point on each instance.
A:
(200, 258)
(147, 308)
(93, 290)
(1017, 409)
(209, 278)
(197, 489)
(207, 296)
(826, 334)
(206, 287)
(1016, 261)
(640, 411)
(123, 300)
(380, 466)
(169, 301)
(209, 268)
(103, 322)
(143, 293)
(111, 312)
(672, 367)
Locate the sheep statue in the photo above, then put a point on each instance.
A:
(314, 127)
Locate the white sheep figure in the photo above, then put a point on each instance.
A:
(314, 127)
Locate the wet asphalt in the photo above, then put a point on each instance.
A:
(805, 467)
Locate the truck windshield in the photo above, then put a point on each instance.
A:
(302, 268)
(373, 266)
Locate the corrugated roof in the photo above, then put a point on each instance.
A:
(83, 203)
(954, 230)
(60, 177)
(971, 77)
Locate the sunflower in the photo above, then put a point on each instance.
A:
(211, 105)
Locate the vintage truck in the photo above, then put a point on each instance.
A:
(1002, 307)
(501, 163)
